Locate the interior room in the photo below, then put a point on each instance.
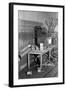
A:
(37, 44)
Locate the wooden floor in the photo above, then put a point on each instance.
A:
(46, 72)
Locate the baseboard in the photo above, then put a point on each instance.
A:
(23, 66)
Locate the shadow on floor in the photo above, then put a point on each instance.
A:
(46, 72)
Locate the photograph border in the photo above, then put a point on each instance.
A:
(11, 48)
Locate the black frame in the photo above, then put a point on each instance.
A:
(11, 43)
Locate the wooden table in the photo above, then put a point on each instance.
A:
(40, 53)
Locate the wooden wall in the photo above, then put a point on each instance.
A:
(26, 32)
(25, 36)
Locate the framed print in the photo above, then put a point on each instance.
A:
(36, 44)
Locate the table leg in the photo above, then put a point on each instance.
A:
(41, 61)
(28, 61)
(51, 63)
(39, 69)
(49, 54)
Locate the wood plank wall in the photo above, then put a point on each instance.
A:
(25, 36)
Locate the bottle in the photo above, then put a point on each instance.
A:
(41, 46)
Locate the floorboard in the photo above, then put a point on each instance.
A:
(46, 72)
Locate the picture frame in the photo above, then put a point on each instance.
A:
(18, 11)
